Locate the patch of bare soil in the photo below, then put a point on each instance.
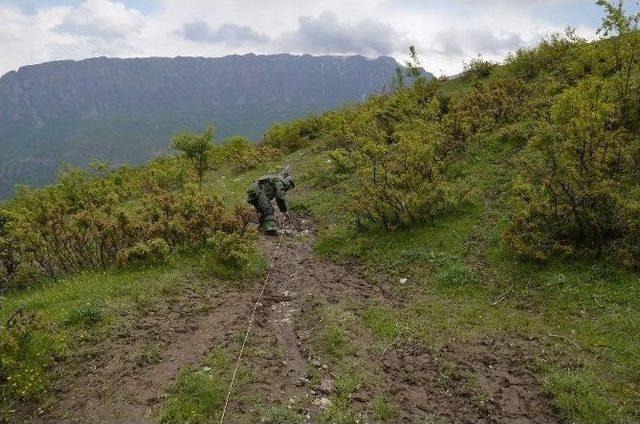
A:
(488, 380)
(485, 381)
(128, 380)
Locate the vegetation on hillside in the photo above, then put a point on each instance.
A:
(515, 182)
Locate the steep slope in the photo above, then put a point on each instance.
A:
(123, 110)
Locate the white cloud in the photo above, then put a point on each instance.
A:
(444, 33)
(102, 19)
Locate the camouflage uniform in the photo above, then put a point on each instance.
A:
(260, 194)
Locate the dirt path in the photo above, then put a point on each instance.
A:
(486, 380)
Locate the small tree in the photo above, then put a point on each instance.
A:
(10, 248)
(196, 148)
(624, 31)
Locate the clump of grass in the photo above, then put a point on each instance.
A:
(27, 348)
(87, 315)
(334, 340)
(199, 395)
(149, 354)
(380, 321)
(382, 408)
(276, 414)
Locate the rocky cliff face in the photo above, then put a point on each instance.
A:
(124, 110)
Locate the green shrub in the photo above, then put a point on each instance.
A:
(404, 183)
(153, 251)
(579, 190)
(95, 222)
(293, 135)
(232, 256)
(478, 68)
(565, 56)
(26, 352)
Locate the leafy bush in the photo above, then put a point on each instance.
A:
(404, 183)
(393, 156)
(293, 135)
(153, 251)
(87, 222)
(565, 56)
(478, 68)
(241, 155)
(579, 191)
(487, 106)
(232, 256)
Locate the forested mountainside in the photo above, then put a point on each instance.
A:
(123, 110)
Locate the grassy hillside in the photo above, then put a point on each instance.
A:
(500, 205)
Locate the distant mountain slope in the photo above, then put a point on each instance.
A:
(123, 110)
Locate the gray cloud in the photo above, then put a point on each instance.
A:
(326, 34)
(230, 34)
(457, 42)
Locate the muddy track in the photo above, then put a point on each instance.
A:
(488, 380)
(117, 387)
(120, 386)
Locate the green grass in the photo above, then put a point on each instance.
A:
(199, 395)
(72, 315)
(87, 315)
(334, 340)
(463, 282)
(383, 410)
(276, 414)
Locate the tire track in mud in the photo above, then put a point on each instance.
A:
(499, 367)
(119, 387)
(116, 388)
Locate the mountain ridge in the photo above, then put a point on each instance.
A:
(122, 110)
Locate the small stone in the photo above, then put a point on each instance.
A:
(326, 386)
(403, 280)
(324, 366)
(322, 403)
(288, 295)
(301, 381)
(316, 363)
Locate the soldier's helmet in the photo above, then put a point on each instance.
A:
(287, 179)
(288, 183)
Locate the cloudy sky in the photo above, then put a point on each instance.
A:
(445, 32)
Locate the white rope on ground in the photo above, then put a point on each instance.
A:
(244, 342)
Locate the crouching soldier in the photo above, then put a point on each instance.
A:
(265, 189)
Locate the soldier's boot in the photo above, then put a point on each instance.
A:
(270, 225)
